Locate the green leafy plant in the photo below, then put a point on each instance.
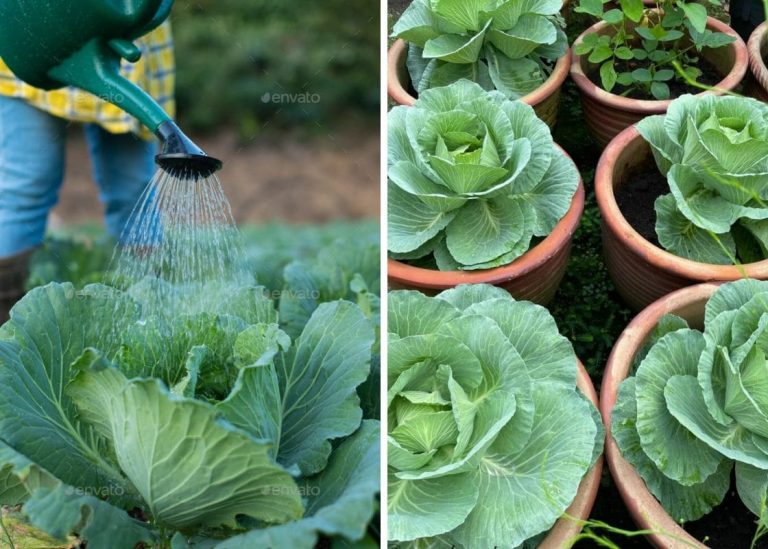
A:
(698, 404)
(233, 56)
(646, 49)
(473, 178)
(212, 429)
(488, 436)
(507, 45)
(81, 260)
(714, 153)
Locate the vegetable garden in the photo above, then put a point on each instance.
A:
(253, 423)
(670, 198)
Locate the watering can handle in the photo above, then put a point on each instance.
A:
(162, 13)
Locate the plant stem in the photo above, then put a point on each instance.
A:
(5, 531)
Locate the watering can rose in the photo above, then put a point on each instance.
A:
(473, 178)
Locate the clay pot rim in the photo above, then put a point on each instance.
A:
(411, 276)
(647, 106)
(398, 93)
(629, 237)
(566, 528)
(645, 509)
(754, 47)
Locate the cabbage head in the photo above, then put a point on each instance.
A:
(473, 178)
(714, 152)
(507, 45)
(698, 405)
(216, 427)
(488, 436)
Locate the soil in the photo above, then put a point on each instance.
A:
(610, 508)
(710, 76)
(285, 177)
(729, 526)
(636, 197)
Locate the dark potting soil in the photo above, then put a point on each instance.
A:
(710, 76)
(636, 197)
(730, 525)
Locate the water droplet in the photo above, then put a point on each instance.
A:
(181, 252)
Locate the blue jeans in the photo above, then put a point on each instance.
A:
(32, 151)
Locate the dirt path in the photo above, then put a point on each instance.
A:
(292, 179)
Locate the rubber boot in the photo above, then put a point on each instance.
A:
(13, 274)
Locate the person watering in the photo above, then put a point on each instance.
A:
(33, 130)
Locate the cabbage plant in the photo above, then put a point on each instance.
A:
(214, 429)
(473, 178)
(488, 436)
(507, 45)
(698, 405)
(714, 153)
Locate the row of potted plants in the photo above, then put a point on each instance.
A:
(480, 193)
(627, 66)
(468, 238)
(477, 181)
(480, 453)
(477, 188)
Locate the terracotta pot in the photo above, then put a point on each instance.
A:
(645, 509)
(757, 81)
(566, 528)
(607, 114)
(642, 271)
(545, 99)
(534, 276)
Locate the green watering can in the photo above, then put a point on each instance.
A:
(55, 43)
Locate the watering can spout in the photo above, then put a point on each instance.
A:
(180, 156)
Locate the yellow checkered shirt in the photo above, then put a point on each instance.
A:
(154, 72)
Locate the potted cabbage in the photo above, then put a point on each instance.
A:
(490, 443)
(685, 401)
(683, 197)
(478, 192)
(517, 48)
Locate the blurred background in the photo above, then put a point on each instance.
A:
(286, 94)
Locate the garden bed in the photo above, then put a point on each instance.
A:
(129, 365)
